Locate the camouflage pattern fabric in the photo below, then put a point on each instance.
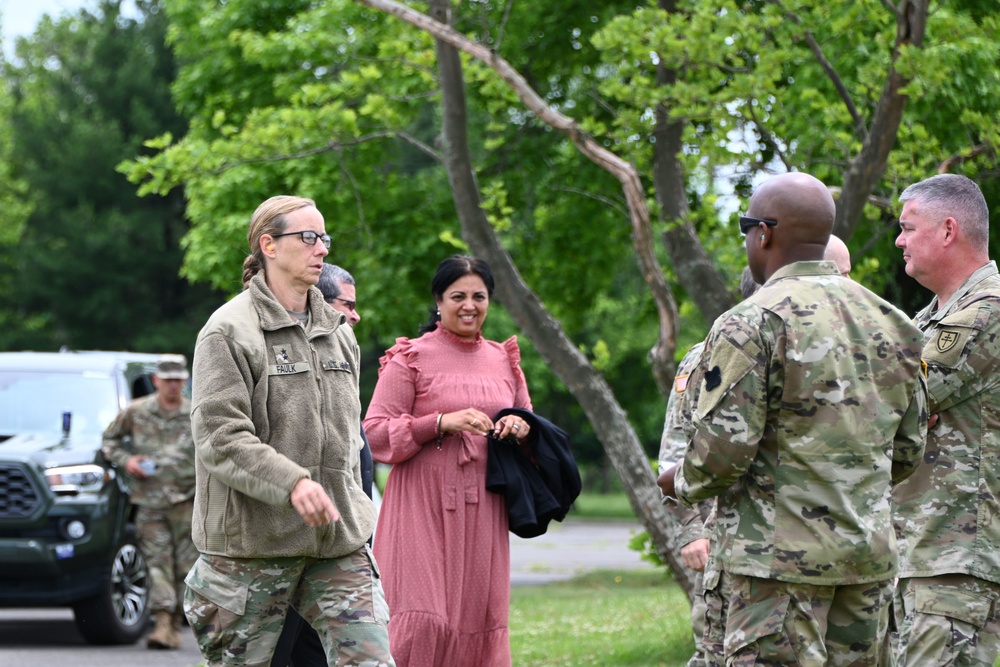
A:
(677, 430)
(947, 512)
(780, 623)
(948, 515)
(716, 609)
(143, 428)
(165, 498)
(698, 612)
(955, 617)
(165, 536)
(237, 607)
(812, 404)
(677, 427)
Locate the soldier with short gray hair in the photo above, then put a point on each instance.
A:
(151, 441)
(948, 512)
(811, 405)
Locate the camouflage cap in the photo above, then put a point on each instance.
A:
(172, 367)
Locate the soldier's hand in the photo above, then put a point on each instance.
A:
(313, 504)
(666, 481)
(133, 468)
(932, 421)
(695, 554)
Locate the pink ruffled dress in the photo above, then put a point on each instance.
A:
(442, 543)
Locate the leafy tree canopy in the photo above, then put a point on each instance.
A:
(96, 265)
(339, 102)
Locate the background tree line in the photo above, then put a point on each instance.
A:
(135, 147)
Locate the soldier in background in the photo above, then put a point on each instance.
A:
(811, 405)
(697, 523)
(151, 440)
(948, 513)
(299, 644)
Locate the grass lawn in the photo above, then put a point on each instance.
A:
(602, 506)
(617, 619)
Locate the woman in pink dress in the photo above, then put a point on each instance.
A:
(442, 541)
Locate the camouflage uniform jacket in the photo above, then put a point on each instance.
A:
(163, 438)
(273, 403)
(676, 434)
(812, 404)
(948, 514)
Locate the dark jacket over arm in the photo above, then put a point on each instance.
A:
(535, 492)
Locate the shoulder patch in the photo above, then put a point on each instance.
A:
(681, 383)
(947, 339)
(729, 364)
(713, 378)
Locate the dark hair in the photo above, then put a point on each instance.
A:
(448, 271)
(331, 277)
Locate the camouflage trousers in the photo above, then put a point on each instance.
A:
(165, 540)
(947, 620)
(710, 647)
(698, 622)
(237, 607)
(780, 623)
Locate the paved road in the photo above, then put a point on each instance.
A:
(48, 638)
(571, 548)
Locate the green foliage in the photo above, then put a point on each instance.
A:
(340, 102)
(754, 96)
(643, 543)
(96, 266)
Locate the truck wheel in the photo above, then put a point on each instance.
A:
(119, 614)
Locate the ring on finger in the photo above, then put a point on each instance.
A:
(516, 427)
(473, 422)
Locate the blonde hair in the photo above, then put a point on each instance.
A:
(269, 218)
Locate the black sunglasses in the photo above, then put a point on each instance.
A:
(747, 223)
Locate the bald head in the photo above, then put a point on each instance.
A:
(801, 212)
(837, 252)
(802, 205)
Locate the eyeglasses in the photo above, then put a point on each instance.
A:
(309, 238)
(747, 223)
(350, 304)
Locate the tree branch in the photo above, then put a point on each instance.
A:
(587, 385)
(503, 25)
(868, 166)
(831, 73)
(951, 162)
(623, 170)
(607, 201)
(768, 137)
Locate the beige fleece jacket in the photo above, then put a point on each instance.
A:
(273, 403)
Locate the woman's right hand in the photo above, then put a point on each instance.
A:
(469, 419)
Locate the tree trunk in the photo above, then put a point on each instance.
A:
(564, 358)
(695, 270)
(868, 166)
